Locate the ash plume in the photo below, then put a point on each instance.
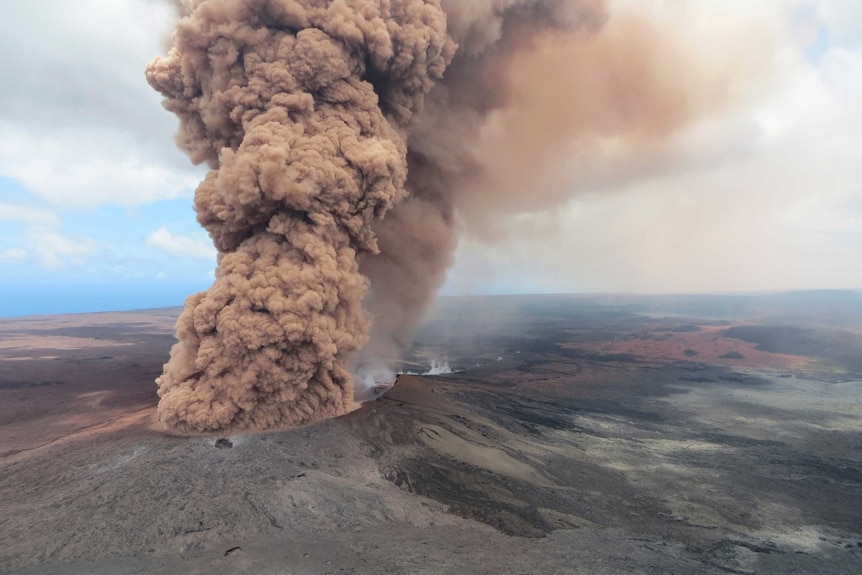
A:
(350, 142)
(299, 108)
(542, 99)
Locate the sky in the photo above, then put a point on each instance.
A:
(96, 200)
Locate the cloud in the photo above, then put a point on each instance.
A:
(766, 197)
(69, 170)
(28, 215)
(54, 250)
(843, 18)
(13, 255)
(80, 126)
(182, 245)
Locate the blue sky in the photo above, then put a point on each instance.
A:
(95, 199)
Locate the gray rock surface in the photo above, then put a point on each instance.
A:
(544, 462)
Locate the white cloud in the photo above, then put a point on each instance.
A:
(55, 250)
(13, 255)
(29, 215)
(51, 248)
(69, 170)
(844, 20)
(182, 245)
(80, 125)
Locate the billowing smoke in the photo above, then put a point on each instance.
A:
(350, 142)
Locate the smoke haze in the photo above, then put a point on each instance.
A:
(352, 143)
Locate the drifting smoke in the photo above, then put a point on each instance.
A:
(438, 368)
(349, 141)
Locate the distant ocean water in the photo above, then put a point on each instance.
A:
(21, 300)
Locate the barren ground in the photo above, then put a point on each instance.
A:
(572, 438)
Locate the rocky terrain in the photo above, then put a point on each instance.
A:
(571, 436)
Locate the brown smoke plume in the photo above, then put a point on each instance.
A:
(349, 141)
(299, 108)
(541, 100)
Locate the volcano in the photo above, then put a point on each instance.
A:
(558, 445)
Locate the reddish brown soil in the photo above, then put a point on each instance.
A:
(710, 345)
(69, 376)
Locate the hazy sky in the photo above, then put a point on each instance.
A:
(765, 196)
